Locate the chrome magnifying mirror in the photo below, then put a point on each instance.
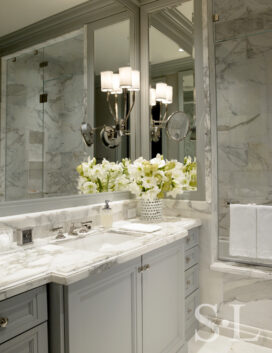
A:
(177, 126)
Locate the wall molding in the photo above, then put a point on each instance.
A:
(171, 67)
(59, 24)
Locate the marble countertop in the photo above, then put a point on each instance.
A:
(27, 268)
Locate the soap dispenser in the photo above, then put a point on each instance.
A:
(106, 215)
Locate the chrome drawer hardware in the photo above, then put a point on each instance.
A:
(188, 282)
(143, 268)
(187, 259)
(146, 267)
(3, 322)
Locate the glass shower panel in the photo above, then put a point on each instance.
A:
(244, 110)
(24, 127)
(64, 112)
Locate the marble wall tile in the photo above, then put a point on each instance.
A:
(240, 17)
(244, 83)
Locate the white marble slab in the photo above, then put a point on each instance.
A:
(27, 268)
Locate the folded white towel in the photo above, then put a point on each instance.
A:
(243, 223)
(137, 227)
(264, 232)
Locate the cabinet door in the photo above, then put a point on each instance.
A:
(32, 341)
(163, 300)
(104, 311)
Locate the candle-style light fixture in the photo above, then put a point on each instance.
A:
(177, 125)
(126, 83)
(162, 94)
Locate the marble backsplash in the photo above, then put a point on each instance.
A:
(42, 223)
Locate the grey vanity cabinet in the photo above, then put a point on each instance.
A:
(135, 307)
(25, 329)
(32, 341)
(163, 300)
(104, 312)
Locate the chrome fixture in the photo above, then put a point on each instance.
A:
(81, 229)
(177, 125)
(125, 83)
(3, 322)
(60, 232)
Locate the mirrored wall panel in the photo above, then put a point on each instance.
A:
(43, 99)
(172, 84)
(111, 51)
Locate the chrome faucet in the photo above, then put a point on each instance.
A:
(60, 234)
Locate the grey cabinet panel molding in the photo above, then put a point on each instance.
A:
(163, 300)
(23, 312)
(103, 312)
(32, 341)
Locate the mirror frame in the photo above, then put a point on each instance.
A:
(146, 11)
(88, 16)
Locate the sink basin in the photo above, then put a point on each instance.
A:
(104, 242)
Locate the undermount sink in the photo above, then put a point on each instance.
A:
(99, 242)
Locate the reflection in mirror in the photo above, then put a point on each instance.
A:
(172, 70)
(111, 51)
(44, 106)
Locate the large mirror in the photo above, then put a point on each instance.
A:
(42, 110)
(171, 66)
(45, 93)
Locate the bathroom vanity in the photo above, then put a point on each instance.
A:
(136, 294)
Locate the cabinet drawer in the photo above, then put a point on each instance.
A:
(191, 280)
(191, 303)
(191, 257)
(23, 312)
(192, 239)
(32, 341)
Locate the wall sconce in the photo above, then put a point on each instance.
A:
(125, 83)
(177, 125)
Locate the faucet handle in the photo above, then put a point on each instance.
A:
(60, 234)
(87, 224)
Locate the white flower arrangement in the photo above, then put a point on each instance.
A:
(147, 180)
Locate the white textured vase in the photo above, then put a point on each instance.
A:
(151, 211)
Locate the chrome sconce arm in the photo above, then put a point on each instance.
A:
(127, 82)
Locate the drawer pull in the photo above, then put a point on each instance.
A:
(188, 240)
(188, 282)
(189, 311)
(3, 322)
(187, 259)
(146, 267)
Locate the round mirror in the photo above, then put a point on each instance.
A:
(177, 126)
(87, 134)
(110, 136)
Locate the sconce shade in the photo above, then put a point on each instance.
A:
(169, 95)
(152, 96)
(116, 89)
(135, 81)
(106, 81)
(161, 91)
(125, 77)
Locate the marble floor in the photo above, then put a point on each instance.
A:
(224, 345)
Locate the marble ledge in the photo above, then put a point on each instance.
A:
(29, 268)
(245, 270)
